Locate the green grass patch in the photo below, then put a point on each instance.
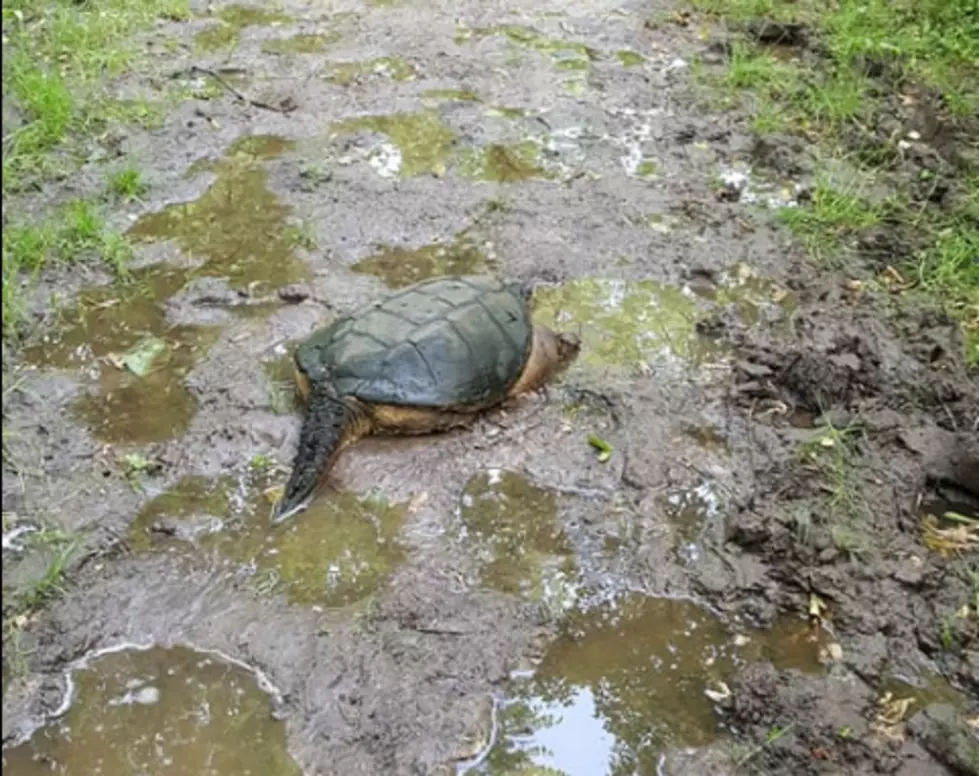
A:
(57, 57)
(126, 184)
(74, 232)
(873, 55)
(935, 42)
(829, 219)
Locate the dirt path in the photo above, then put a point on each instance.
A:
(747, 566)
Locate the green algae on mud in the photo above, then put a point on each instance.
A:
(346, 73)
(624, 323)
(511, 525)
(630, 58)
(340, 551)
(399, 267)
(165, 711)
(105, 325)
(238, 226)
(623, 682)
(424, 144)
(450, 95)
(300, 44)
(502, 163)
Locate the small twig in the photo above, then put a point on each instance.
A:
(286, 109)
(437, 631)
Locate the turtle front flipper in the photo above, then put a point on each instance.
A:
(330, 423)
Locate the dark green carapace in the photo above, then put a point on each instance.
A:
(423, 359)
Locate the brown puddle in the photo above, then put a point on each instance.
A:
(399, 267)
(338, 552)
(237, 226)
(511, 526)
(624, 682)
(142, 360)
(159, 711)
(625, 323)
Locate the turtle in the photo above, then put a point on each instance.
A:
(424, 359)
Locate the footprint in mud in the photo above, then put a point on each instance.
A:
(162, 711)
(337, 553)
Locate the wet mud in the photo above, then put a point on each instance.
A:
(730, 539)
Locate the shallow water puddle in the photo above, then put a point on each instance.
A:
(502, 163)
(141, 360)
(752, 296)
(347, 73)
(691, 511)
(160, 711)
(625, 681)
(231, 19)
(280, 376)
(339, 551)
(300, 44)
(512, 527)
(398, 266)
(237, 225)
(567, 55)
(419, 143)
(629, 323)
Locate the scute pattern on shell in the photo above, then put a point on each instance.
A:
(443, 342)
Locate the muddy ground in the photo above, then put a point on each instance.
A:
(736, 588)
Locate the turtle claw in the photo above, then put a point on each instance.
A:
(280, 515)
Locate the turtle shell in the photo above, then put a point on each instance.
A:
(448, 341)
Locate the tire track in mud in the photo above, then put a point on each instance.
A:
(562, 146)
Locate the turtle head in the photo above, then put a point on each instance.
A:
(568, 347)
(550, 354)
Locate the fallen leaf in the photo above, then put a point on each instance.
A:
(604, 448)
(139, 359)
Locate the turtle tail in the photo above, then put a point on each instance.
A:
(327, 423)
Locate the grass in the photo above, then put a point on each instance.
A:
(72, 233)
(876, 60)
(832, 455)
(833, 216)
(57, 57)
(126, 184)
